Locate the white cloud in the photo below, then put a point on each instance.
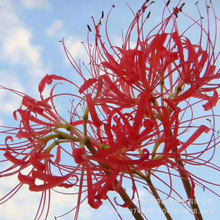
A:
(76, 48)
(24, 204)
(8, 18)
(10, 100)
(23, 200)
(33, 4)
(16, 41)
(56, 26)
(19, 47)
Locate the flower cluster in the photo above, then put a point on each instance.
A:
(146, 111)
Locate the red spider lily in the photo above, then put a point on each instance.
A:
(139, 124)
(156, 59)
(42, 130)
(147, 85)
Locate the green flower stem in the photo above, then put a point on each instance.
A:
(131, 206)
(187, 186)
(185, 180)
(155, 194)
(158, 199)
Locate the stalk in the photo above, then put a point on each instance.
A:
(158, 199)
(131, 206)
(188, 189)
(155, 194)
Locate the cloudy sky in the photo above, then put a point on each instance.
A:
(30, 31)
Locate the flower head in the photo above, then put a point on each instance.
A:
(136, 121)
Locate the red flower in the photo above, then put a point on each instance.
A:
(153, 64)
(36, 145)
(137, 119)
(144, 94)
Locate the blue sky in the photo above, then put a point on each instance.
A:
(30, 32)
